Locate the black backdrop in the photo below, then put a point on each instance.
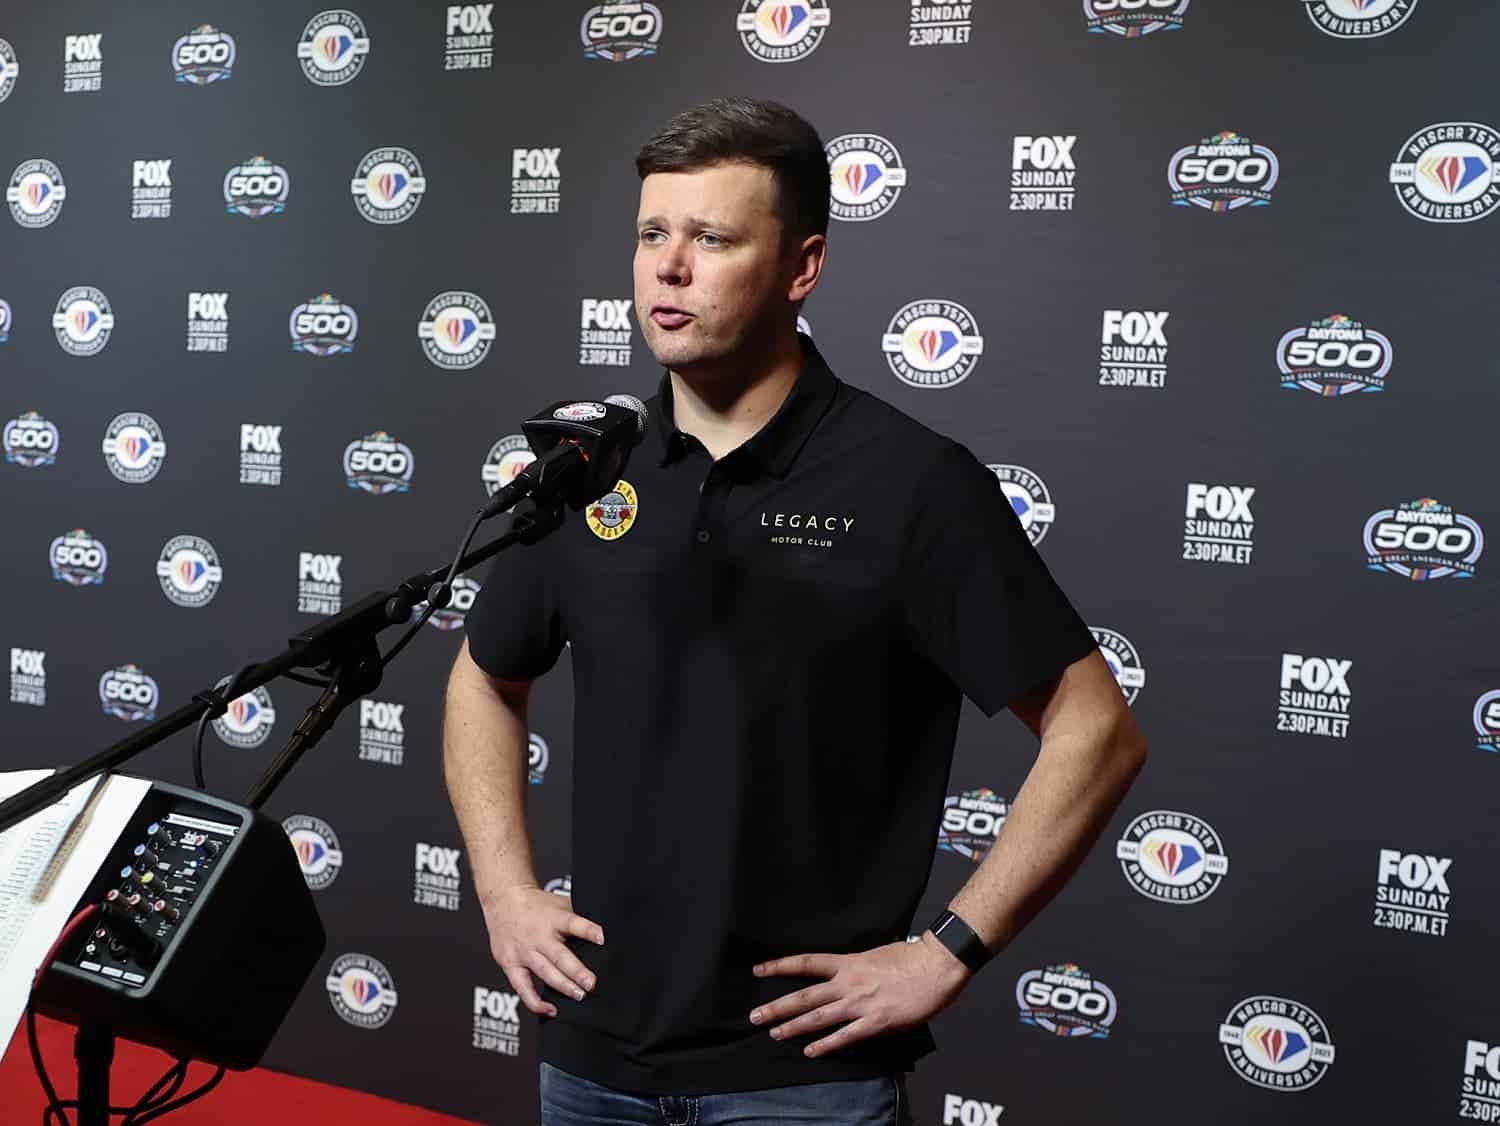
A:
(1168, 942)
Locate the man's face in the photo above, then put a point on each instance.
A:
(709, 263)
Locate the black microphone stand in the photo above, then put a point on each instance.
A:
(345, 644)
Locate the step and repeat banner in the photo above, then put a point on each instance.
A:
(1210, 286)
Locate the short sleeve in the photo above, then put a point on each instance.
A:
(978, 601)
(515, 627)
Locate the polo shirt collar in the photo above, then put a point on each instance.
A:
(776, 444)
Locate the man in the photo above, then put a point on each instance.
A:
(772, 620)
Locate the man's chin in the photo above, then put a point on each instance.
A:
(680, 355)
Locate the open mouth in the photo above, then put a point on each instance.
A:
(668, 317)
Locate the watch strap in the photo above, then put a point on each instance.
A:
(959, 937)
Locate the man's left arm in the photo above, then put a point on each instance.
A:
(1091, 750)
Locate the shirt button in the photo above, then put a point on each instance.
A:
(704, 537)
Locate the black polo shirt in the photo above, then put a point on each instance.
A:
(768, 657)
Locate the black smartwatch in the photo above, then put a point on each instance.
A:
(960, 938)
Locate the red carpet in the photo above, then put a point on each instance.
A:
(243, 1098)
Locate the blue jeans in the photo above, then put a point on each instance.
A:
(568, 1100)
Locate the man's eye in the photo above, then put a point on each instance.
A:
(710, 240)
(650, 236)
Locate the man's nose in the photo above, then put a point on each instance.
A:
(673, 266)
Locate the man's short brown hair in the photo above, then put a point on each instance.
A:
(755, 132)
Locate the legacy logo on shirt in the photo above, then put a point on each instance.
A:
(815, 528)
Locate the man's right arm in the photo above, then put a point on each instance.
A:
(485, 747)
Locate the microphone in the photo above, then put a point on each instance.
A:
(581, 449)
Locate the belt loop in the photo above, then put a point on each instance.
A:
(679, 1110)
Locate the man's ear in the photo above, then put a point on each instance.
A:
(807, 267)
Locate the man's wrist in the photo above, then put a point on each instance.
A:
(501, 895)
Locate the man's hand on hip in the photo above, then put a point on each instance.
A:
(866, 994)
(527, 926)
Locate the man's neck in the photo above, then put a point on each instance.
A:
(726, 407)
